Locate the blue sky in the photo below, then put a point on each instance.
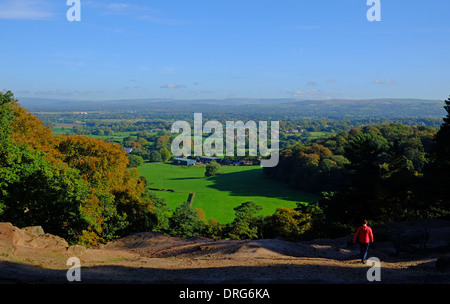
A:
(305, 49)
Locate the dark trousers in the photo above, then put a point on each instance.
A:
(364, 248)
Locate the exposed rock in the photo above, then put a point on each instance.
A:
(76, 250)
(13, 239)
(11, 236)
(49, 241)
(35, 230)
(7, 238)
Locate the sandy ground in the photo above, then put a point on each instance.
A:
(143, 258)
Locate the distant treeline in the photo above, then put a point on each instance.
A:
(247, 109)
(383, 172)
(291, 130)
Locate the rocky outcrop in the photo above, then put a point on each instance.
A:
(20, 241)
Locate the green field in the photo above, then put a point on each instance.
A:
(314, 135)
(117, 137)
(61, 130)
(218, 195)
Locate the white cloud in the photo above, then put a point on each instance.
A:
(117, 7)
(173, 86)
(25, 10)
(387, 81)
(123, 9)
(390, 81)
(168, 70)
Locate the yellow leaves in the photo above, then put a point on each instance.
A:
(98, 161)
(114, 193)
(319, 150)
(310, 159)
(30, 131)
(201, 216)
(89, 238)
(289, 223)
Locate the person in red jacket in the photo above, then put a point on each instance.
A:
(364, 235)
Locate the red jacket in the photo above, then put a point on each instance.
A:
(363, 234)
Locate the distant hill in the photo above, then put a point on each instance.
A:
(273, 108)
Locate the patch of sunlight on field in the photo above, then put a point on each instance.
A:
(218, 195)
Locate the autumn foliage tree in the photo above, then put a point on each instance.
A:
(36, 188)
(74, 186)
(310, 168)
(437, 177)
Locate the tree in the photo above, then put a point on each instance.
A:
(246, 224)
(361, 195)
(212, 169)
(33, 189)
(163, 142)
(113, 186)
(436, 173)
(285, 222)
(74, 186)
(135, 161)
(162, 213)
(155, 156)
(142, 141)
(213, 229)
(165, 154)
(362, 151)
(184, 222)
(294, 224)
(6, 174)
(312, 168)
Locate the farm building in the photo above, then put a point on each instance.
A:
(207, 159)
(128, 150)
(184, 162)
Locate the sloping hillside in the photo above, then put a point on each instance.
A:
(30, 255)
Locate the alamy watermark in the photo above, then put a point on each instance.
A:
(74, 12)
(74, 272)
(214, 144)
(374, 12)
(374, 272)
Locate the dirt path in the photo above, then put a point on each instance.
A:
(34, 257)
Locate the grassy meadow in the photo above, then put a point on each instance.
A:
(218, 195)
(117, 137)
